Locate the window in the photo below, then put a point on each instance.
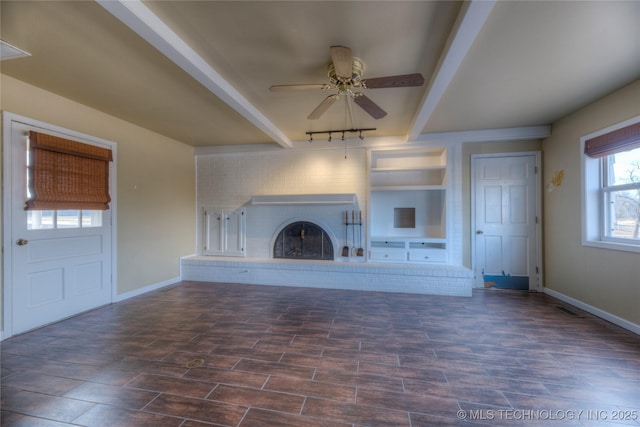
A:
(48, 219)
(621, 191)
(611, 194)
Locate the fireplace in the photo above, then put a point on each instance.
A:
(303, 240)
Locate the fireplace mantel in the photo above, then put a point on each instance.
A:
(306, 199)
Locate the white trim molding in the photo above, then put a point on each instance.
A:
(147, 289)
(616, 320)
(434, 139)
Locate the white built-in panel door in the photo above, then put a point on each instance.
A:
(235, 234)
(213, 232)
(224, 232)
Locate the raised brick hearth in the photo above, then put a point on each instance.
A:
(420, 279)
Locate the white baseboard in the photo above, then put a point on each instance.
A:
(595, 311)
(127, 295)
(146, 289)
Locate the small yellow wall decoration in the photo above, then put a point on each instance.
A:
(556, 180)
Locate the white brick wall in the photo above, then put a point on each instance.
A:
(228, 180)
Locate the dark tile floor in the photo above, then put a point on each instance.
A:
(202, 354)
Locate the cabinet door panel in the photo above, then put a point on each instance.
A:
(428, 255)
(234, 233)
(214, 236)
(388, 255)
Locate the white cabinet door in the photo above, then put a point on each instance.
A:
(389, 255)
(224, 232)
(214, 233)
(428, 255)
(234, 232)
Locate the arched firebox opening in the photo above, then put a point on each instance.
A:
(303, 240)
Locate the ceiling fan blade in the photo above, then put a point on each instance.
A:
(342, 61)
(282, 88)
(369, 106)
(324, 106)
(405, 80)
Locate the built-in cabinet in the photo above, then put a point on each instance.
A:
(408, 205)
(225, 231)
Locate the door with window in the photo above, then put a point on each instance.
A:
(58, 262)
(506, 222)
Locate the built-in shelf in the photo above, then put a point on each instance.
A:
(407, 187)
(407, 205)
(391, 170)
(413, 242)
(401, 169)
(405, 159)
(306, 199)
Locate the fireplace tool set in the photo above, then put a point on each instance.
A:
(352, 250)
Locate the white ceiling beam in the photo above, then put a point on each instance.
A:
(433, 139)
(9, 51)
(487, 135)
(135, 15)
(466, 30)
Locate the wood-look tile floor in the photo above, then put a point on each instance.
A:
(202, 354)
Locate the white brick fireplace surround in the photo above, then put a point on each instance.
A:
(232, 181)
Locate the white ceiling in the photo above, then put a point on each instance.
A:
(200, 71)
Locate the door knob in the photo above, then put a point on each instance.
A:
(479, 232)
(21, 242)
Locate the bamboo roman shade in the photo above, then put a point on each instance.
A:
(623, 139)
(65, 174)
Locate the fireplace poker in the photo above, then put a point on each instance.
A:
(360, 251)
(345, 248)
(353, 232)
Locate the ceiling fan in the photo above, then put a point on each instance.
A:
(345, 77)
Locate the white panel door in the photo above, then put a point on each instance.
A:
(59, 261)
(505, 220)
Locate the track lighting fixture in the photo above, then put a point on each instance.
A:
(342, 131)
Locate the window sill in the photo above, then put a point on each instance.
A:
(614, 246)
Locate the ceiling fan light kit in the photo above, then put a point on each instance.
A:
(354, 79)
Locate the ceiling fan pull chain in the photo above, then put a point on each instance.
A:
(346, 107)
(350, 108)
(345, 145)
